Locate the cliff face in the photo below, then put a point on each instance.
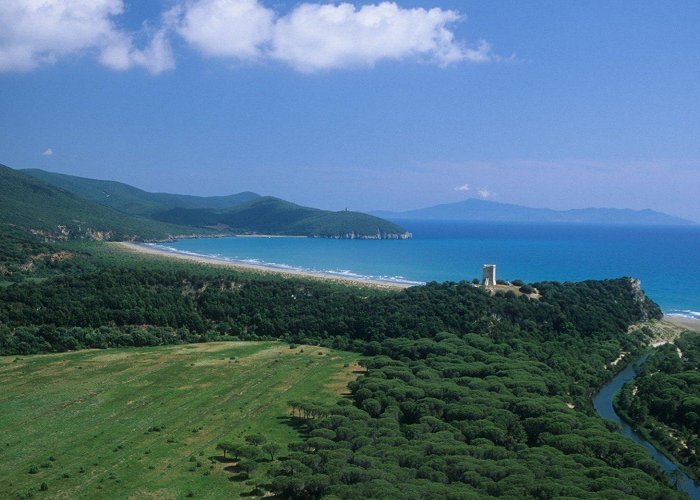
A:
(379, 235)
(648, 309)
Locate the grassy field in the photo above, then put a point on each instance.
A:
(144, 422)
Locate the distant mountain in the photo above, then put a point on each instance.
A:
(491, 211)
(133, 200)
(30, 204)
(239, 213)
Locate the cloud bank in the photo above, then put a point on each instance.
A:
(318, 37)
(311, 37)
(35, 33)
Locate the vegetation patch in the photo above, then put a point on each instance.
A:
(145, 422)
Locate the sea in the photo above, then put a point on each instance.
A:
(665, 258)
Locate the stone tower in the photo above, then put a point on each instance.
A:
(489, 280)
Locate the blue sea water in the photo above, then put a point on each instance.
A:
(666, 259)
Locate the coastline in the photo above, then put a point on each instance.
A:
(246, 266)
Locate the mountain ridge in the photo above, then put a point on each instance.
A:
(241, 213)
(133, 200)
(473, 209)
(36, 206)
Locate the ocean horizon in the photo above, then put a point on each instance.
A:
(665, 258)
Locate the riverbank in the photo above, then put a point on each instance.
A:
(245, 266)
(604, 404)
(646, 435)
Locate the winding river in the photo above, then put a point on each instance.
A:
(603, 403)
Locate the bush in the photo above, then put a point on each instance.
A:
(526, 289)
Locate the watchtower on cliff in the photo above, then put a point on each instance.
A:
(489, 279)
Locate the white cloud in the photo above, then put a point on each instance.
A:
(48, 152)
(35, 33)
(315, 37)
(224, 28)
(311, 37)
(463, 187)
(156, 57)
(484, 193)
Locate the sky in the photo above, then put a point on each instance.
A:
(361, 105)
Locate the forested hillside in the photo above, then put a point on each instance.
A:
(467, 394)
(33, 205)
(132, 200)
(244, 212)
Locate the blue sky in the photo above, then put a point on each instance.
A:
(364, 105)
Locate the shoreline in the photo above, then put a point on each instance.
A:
(683, 322)
(245, 266)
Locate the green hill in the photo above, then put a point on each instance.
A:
(132, 200)
(270, 215)
(244, 212)
(30, 204)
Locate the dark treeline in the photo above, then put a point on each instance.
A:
(664, 400)
(108, 306)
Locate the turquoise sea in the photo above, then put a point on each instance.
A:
(666, 259)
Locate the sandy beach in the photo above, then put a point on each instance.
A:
(152, 251)
(687, 323)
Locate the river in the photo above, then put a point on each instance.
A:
(603, 404)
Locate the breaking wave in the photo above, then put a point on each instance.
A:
(338, 273)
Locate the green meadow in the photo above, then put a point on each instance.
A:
(145, 422)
